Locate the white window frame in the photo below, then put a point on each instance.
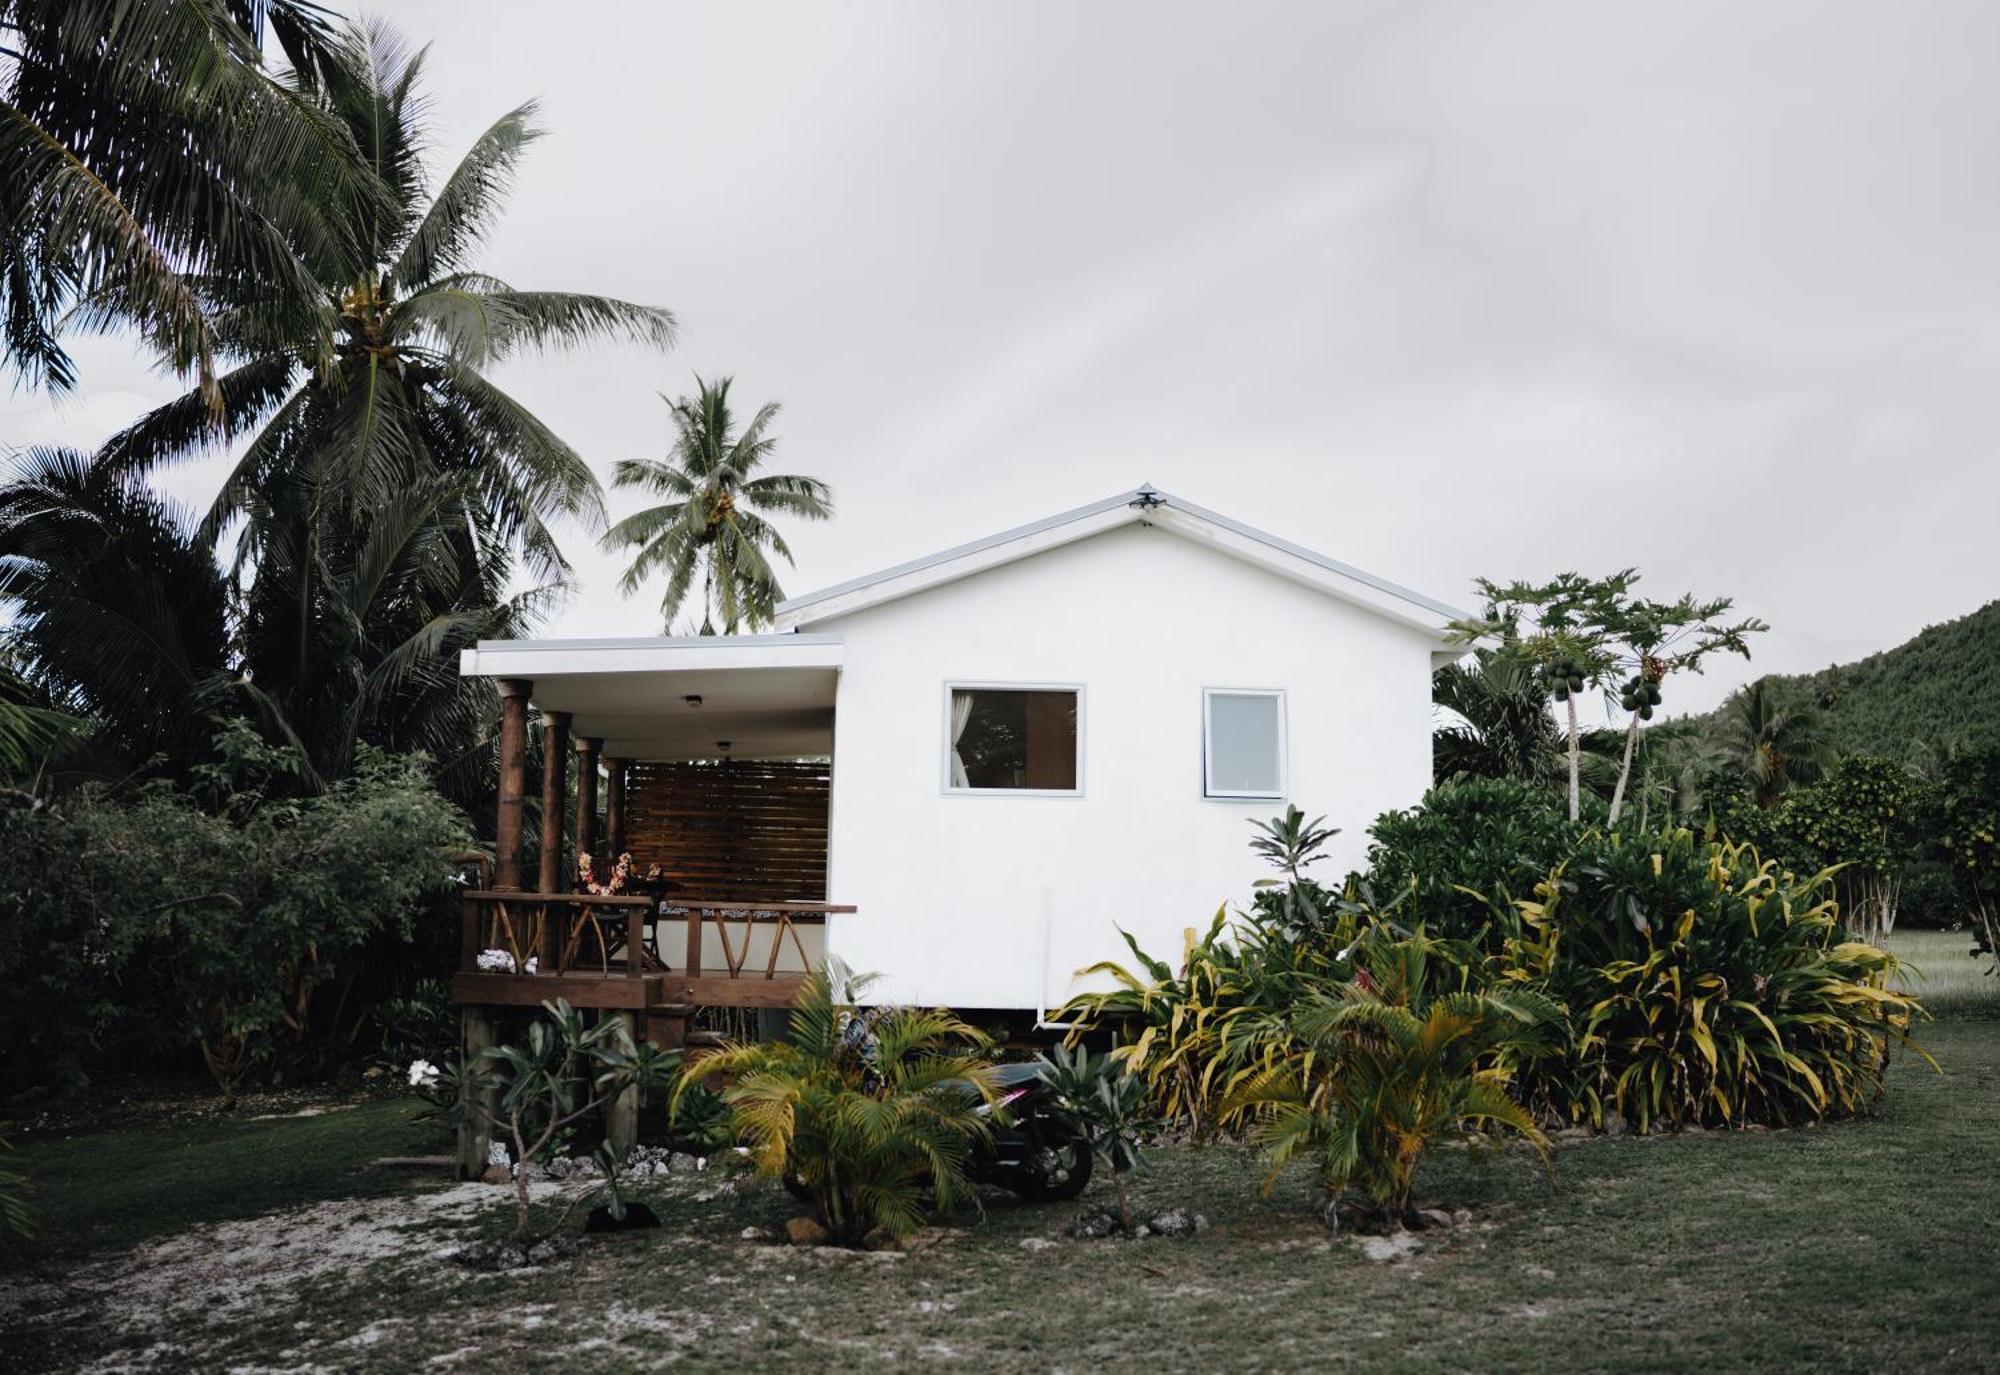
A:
(1208, 790)
(993, 685)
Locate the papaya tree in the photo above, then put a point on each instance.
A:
(1558, 626)
(1651, 640)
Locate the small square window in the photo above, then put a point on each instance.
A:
(1243, 735)
(1001, 739)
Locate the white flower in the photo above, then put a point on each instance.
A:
(423, 1074)
(532, 961)
(496, 961)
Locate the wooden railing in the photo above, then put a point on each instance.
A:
(562, 932)
(583, 945)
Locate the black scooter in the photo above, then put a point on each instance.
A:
(1038, 1151)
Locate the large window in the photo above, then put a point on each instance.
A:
(1243, 743)
(1011, 739)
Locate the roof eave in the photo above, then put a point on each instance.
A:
(1144, 505)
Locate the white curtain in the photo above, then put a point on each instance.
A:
(961, 712)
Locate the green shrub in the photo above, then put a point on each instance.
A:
(1706, 986)
(237, 918)
(1967, 840)
(1867, 819)
(871, 1114)
(1467, 850)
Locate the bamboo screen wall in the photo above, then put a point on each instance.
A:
(738, 830)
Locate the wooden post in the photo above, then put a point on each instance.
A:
(555, 796)
(621, 1115)
(587, 747)
(614, 807)
(513, 781)
(476, 1034)
(555, 790)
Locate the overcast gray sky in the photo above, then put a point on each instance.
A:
(1439, 289)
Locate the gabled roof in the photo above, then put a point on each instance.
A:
(1143, 505)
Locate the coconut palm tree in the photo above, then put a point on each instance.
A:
(713, 524)
(117, 612)
(1772, 740)
(145, 147)
(389, 491)
(400, 402)
(121, 616)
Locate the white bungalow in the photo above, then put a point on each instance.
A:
(965, 773)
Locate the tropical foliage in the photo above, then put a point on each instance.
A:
(239, 918)
(1967, 822)
(530, 1092)
(715, 522)
(1386, 1064)
(104, 214)
(389, 491)
(1559, 627)
(229, 727)
(1935, 691)
(1706, 987)
(1501, 966)
(870, 1113)
(1111, 1104)
(1495, 722)
(1772, 739)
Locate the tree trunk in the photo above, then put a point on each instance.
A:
(1575, 762)
(1625, 769)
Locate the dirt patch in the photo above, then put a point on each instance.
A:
(162, 1296)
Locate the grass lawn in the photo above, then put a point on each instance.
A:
(1861, 1246)
(156, 1174)
(1937, 969)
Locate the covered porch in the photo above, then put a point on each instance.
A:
(687, 865)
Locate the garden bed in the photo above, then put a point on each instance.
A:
(1830, 1247)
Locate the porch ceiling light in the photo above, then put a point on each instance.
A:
(722, 745)
(693, 699)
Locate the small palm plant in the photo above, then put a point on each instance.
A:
(713, 523)
(1114, 1107)
(1383, 1068)
(871, 1114)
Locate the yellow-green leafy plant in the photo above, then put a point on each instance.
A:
(1749, 1004)
(871, 1113)
(1194, 1033)
(1386, 1065)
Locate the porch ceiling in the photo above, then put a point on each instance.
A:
(769, 696)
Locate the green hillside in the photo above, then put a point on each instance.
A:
(1944, 685)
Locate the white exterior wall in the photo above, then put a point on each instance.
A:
(956, 892)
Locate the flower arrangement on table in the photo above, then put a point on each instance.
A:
(621, 875)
